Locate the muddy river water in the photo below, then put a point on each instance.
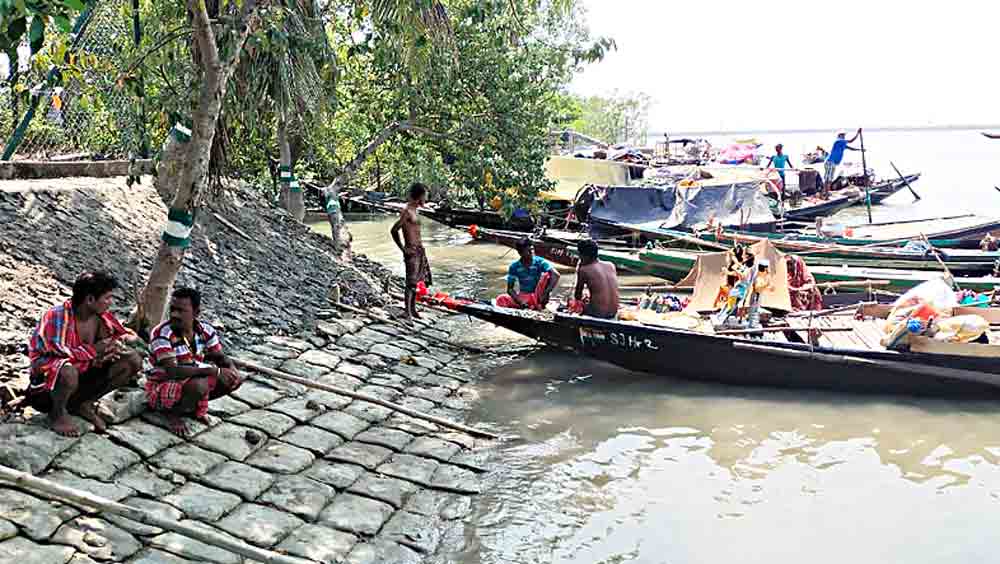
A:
(614, 466)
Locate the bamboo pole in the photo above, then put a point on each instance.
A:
(52, 490)
(780, 329)
(935, 252)
(830, 311)
(363, 397)
(400, 325)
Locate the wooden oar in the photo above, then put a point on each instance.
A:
(905, 181)
(54, 491)
(363, 397)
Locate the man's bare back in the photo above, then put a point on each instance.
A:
(601, 278)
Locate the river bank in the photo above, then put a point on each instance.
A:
(616, 466)
(312, 474)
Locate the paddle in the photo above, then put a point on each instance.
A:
(864, 167)
(905, 181)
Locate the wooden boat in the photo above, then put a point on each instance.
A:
(966, 262)
(816, 207)
(676, 264)
(741, 361)
(952, 232)
(879, 192)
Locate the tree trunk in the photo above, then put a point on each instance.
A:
(192, 174)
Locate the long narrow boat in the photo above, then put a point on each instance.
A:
(816, 207)
(954, 232)
(749, 362)
(676, 264)
(959, 261)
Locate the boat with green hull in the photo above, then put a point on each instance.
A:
(676, 264)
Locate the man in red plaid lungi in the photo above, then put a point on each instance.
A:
(78, 354)
(189, 367)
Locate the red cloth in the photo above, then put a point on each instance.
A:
(532, 300)
(164, 395)
(56, 342)
(799, 276)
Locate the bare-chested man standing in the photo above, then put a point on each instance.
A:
(414, 255)
(601, 278)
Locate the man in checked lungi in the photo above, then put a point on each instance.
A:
(189, 367)
(80, 352)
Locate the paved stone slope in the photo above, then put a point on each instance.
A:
(308, 473)
(273, 284)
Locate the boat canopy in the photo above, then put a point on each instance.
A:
(707, 276)
(570, 174)
(686, 207)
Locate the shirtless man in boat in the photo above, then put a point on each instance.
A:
(600, 278)
(414, 256)
(78, 354)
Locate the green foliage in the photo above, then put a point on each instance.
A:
(618, 118)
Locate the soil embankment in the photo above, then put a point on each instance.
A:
(311, 474)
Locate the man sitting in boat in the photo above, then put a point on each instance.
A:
(600, 278)
(535, 280)
(835, 157)
(189, 367)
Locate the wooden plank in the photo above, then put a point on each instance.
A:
(931, 346)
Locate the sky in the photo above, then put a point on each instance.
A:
(786, 64)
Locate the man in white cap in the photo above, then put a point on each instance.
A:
(836, 155)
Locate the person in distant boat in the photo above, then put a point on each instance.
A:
(535, 279)
(802, 285)
(780, 160)
(835, 157)
(414, 256)
(600, 278)
(189, 367)
(78, 354)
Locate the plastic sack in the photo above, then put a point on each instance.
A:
(933, 298)
(961, 328)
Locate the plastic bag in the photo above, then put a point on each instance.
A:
(933, 298)
(961, 328)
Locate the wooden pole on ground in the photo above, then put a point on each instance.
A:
(363, 397)
(400, 325)
(52, 490)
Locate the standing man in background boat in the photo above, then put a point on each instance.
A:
(598, 276)
(414, 256)
(779, 160)
(835, 157)
(535, 280)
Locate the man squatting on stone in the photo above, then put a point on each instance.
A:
(79, 353)
(189, 367)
